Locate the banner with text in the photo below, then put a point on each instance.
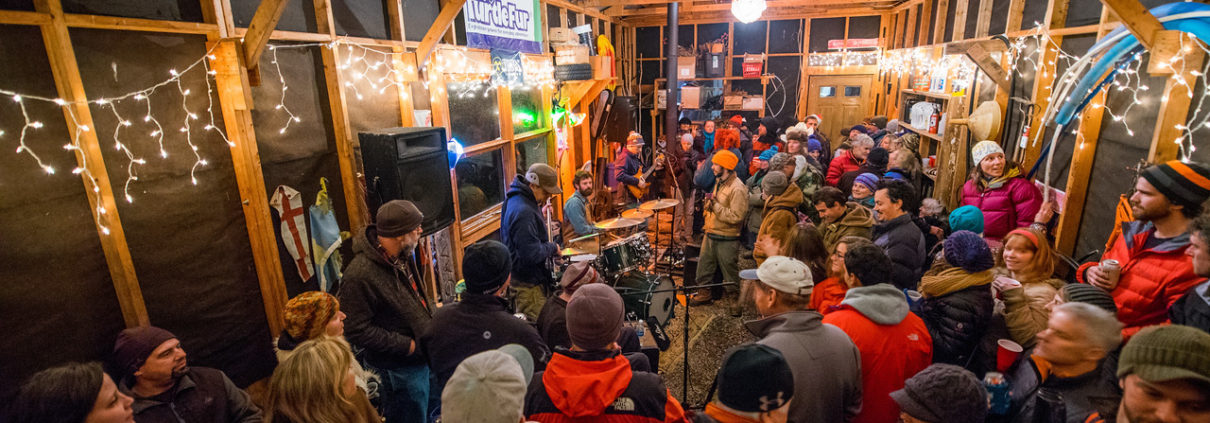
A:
(504, 24)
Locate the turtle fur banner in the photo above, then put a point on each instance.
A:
(504, 24)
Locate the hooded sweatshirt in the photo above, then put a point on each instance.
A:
(825, 363)
(599, 386)
(524, 233)
(778, 216)
(894, 345)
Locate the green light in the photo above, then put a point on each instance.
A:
(524, 118)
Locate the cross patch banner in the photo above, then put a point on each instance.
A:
(288, 203)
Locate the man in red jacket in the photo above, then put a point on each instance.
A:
(592, 381)
(894, 343)
(1155, 272)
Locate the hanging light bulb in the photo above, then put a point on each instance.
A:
(747, 11)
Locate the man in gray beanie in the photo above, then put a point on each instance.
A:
(481, 321)
(387, 309)
(942, 393)
(593, 379)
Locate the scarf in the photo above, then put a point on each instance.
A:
(952, 280)
(708, 144)
(990, 184)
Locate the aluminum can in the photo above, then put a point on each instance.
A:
(998, 399)
(1112, 269)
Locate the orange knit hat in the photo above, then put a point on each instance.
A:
(726, 159)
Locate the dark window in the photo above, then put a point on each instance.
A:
(480, 182)
(474, 113)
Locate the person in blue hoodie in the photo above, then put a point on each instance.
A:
(523, 230)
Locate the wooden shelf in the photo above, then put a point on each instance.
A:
(720, 78)
(929, 94)
(922, 132)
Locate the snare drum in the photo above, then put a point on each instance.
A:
(631, 253)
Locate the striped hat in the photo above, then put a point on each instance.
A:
(1185, 184)
(579, 274)
(308, 314)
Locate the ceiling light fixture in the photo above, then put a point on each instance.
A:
(747, 11)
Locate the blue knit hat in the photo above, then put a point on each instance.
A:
(813, 144)
(894, 174)
(969, 251)
(967, 218)
(860, 128)
(768, 154)
(869, 180)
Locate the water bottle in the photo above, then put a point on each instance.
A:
(997, 393)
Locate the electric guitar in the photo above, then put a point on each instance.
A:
(657, 164)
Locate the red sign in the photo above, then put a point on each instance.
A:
(853, 43)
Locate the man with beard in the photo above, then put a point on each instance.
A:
(577, 212)
(387, 309)
(725, 209)
(1164, 373)
(1154, 272)
(154, 372)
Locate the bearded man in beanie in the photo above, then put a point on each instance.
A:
(387, 309)
(724, 211)
(825, 363)
(1154, 272)
(1164, 372)
(481, 321)
(1193, 309)
(755, 385)
(942, 393)
(779, 213)
(523, 230)
(154, 372)
(593, 380)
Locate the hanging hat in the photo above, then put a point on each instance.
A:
(1185, 184)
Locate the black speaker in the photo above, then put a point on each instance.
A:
(621, 119)
(409, 164)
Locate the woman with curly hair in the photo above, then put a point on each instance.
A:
(316, 385)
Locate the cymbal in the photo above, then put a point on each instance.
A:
(660, 204)
(571, 252)
(618, 223)
(637, 214)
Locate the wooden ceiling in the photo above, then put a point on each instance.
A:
(654, 12)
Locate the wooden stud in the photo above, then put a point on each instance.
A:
(959, 30)
(70, 87)
(939, 23)
(14, 17)
(342, 130)
(984, 23)
(1178, 91)
(449, 10)
(217, 13)
(263, 21)
(926, 10)
(988, 65)
(1078, 174)
(1016, 12)
(1056, 16)
(404, 64)
(804, 93)
(909, 37)
(1138, 20)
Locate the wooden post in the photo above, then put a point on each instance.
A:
(263, 22)
(403, 63)
(804, 72)
(984, 23)
(449, 10)
(355, 200)
(1016, 12)
(235, 97)
(1174, 109)
(926, 10)
(1056, 17)
(959, 29)
(70, 87)
(909, 38)
(939, 24)
(1137, 19)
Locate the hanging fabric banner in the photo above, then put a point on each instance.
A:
(504, 24)
(288, 203)
(507, 68)
(326, 239)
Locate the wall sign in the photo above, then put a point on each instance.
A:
(504, 24)
(853, 43)
(506, 68)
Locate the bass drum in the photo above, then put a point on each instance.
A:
(635, 289)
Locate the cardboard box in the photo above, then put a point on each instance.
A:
(686, 67)
(733, 102)
(562, 35)
(754, 103)
(570, 54)
(717, 47)
(691, 97)
(602, 67)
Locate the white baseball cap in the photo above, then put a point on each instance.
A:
(783, 274)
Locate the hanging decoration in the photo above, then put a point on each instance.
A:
(747, 11)
(288, 203)
(326, 238)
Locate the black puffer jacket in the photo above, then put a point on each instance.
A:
(477, 324)
(384, 313)
(903, 243)
(956, 320)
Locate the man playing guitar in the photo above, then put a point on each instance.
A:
(631, 172)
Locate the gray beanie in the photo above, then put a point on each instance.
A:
(774, 183)
(943, 393)
(780, 160)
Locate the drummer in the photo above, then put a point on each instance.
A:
(577, 213)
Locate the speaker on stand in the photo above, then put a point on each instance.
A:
(409, 164)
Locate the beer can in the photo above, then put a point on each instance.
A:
(998, 399)
(1112, 269)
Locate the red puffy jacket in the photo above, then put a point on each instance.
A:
(842, 164)
(1151, 279)
(1011, 206)
(894, 345)
(598, 386)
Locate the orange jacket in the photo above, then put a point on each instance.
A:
(598, 386)
(1151, 279)
(828, 294)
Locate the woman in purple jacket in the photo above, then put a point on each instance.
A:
(1007, 198)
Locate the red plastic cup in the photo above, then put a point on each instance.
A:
(1007, 352)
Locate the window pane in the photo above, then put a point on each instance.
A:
(474, 113)
(854, 91)
(827, 92)
(480, 182)
(527, 110)
(530, 152)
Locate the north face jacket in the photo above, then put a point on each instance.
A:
(598, 386)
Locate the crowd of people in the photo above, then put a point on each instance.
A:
(873, 303)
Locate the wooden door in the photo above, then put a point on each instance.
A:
(841, 101)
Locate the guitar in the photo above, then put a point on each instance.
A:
(657, 164)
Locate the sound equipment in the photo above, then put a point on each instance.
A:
(604, 108)
(409, 164)
(622, 117)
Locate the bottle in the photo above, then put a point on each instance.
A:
(934, 119)
(1049, 407)
(997, 393)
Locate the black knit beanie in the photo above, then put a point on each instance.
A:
(485, 266)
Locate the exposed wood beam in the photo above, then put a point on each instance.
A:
(70, 87)
(581, 10)
(342, 130)
(439, 27)
(259, 31)
(1056, 17)
(129, 24)
(772, 7)
(13, 17)
(1138, 20)
(1016, 12)
(926, 10)
(403, 63)
(984, 23)
(1178, 92)
(939, 23)
(988, 65)
(959, 29)
(780, 14)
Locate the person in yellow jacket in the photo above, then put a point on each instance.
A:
(724, 210)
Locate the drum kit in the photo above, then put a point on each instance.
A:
(626, 261)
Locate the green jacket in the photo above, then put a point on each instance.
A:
(856, 221)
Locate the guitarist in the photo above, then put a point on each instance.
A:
(631, 172)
